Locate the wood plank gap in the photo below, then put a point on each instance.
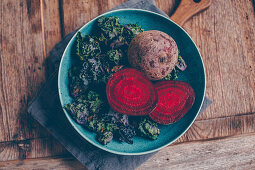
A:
(23, 140)
(253, 2)
(230, 116)
(211, 139)
(43, 31)
(61, 18)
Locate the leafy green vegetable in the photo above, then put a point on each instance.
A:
(118, 42)
(93, 95)
(148, 128)
(95, 102)
(92, 72)
(84, 74)
(87, 47)
(172, 76)
(100, 126)
(85, 109)
(79, 111)
(92, 123)
(111, 127)
(76, 86)
(110, 27)
(115, 56)
(95, 69)
(131, 30)
(125, 134)
(105, 137)
(71, 108)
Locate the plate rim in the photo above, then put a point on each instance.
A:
(101, 146)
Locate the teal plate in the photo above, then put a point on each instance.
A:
(194, 75)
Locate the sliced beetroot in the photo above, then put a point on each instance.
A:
(175, 98)
(130, 92)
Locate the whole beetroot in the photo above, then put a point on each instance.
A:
(153, 52)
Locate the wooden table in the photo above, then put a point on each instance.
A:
(222, 137)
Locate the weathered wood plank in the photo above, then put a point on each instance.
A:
(26, 39)
(219, 128)
(68, 163)
(78, 13)
(201, 130)
(247, 21)
(20, 64)
(33, 148)
(51, 23)
(224, 33)
(229, 153)
(225, 38)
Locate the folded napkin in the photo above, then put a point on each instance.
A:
(46, 109)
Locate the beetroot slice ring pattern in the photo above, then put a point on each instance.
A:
(130, 92)
(175, 98)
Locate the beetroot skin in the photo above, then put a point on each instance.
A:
(154, 53)
(175, 100)
(130, 92)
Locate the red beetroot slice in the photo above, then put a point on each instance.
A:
(130, 92)
(175, 98)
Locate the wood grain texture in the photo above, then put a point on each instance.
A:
(31, 148)
(78, 13)
(230, 153)
(225, 38)
(188, 8)
(50, 17)
(225, 35)
(68, 163)
(21, 66)
(201, 130)
(29, 29)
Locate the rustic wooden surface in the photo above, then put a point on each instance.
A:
(214, 154)
(221, 137)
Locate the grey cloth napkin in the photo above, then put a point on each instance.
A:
(46, 109)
